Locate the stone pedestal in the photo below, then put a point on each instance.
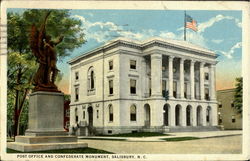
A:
(45, 128)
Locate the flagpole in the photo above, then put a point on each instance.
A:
(185, 25)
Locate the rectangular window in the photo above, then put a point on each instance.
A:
(97, 113)
(76, 94)
(76, 118)
(67, 124)
(220, 118)
(233, 118)
(185, 90)
(132, 86)
(207, 94)
(206, 76)
(76, 75)
(111, 65)
(67, 113)
(132, 64)
(175, 89)
(220, 105)
(132, 113)
(110, 86)
(163, 68)
(232, 104)
(83, 115)
(163, 88)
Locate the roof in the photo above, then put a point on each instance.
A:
(141, 44)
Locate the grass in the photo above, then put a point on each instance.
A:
(180, 138)
(137, 134)
(77, 150)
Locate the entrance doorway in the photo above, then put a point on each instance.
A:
(90, 120)
(177, 115)
(188, 115)
(208, 116)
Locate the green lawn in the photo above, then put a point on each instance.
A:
(77, 150)
(180, 138)
(138, 134)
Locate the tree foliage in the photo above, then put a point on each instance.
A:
(21, 62)
(238, 95)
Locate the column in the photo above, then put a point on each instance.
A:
(202, 80)
(170, 76)
(156, 74)
(182, 78)
(204, 116)
(194, 116)
(212, 82)
(144, 86)
(183, 116)
(192, 78)
(172, 116)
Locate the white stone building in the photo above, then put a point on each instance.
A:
(120, 87)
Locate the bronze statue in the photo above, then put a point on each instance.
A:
(43, 49)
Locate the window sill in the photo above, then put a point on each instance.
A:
(110, 95)
(133, 121)
(111, 121)
(91, 92)
(133, 70)
(131, 94)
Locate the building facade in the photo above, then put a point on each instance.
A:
(157, 85)
(227, 115)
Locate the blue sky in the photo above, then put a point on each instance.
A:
(219, 31)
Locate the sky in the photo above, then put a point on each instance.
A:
(219, 31)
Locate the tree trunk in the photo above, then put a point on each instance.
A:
(17, 110)
(21, 105)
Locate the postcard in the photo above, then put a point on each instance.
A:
(131, 80)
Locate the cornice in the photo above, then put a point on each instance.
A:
(141, 47)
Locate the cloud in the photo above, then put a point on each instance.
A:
(204, 25)
(168, 35)
(217, 41)
(103, 31)
(231, 52)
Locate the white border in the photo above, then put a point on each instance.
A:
(152, 5)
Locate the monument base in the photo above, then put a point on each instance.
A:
(45, 132)
(42, 143)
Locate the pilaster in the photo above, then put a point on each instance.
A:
(182, 78)
(192, 78)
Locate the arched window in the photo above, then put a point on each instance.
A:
(133, 113)
(91, 81)
(111, 115)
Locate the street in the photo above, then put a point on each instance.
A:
(217, 145)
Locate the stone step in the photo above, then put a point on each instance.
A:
(41, 147)
(45, 139)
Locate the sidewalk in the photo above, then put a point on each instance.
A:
(208, 134)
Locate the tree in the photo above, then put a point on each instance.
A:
(22, 64)
(238, 95)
